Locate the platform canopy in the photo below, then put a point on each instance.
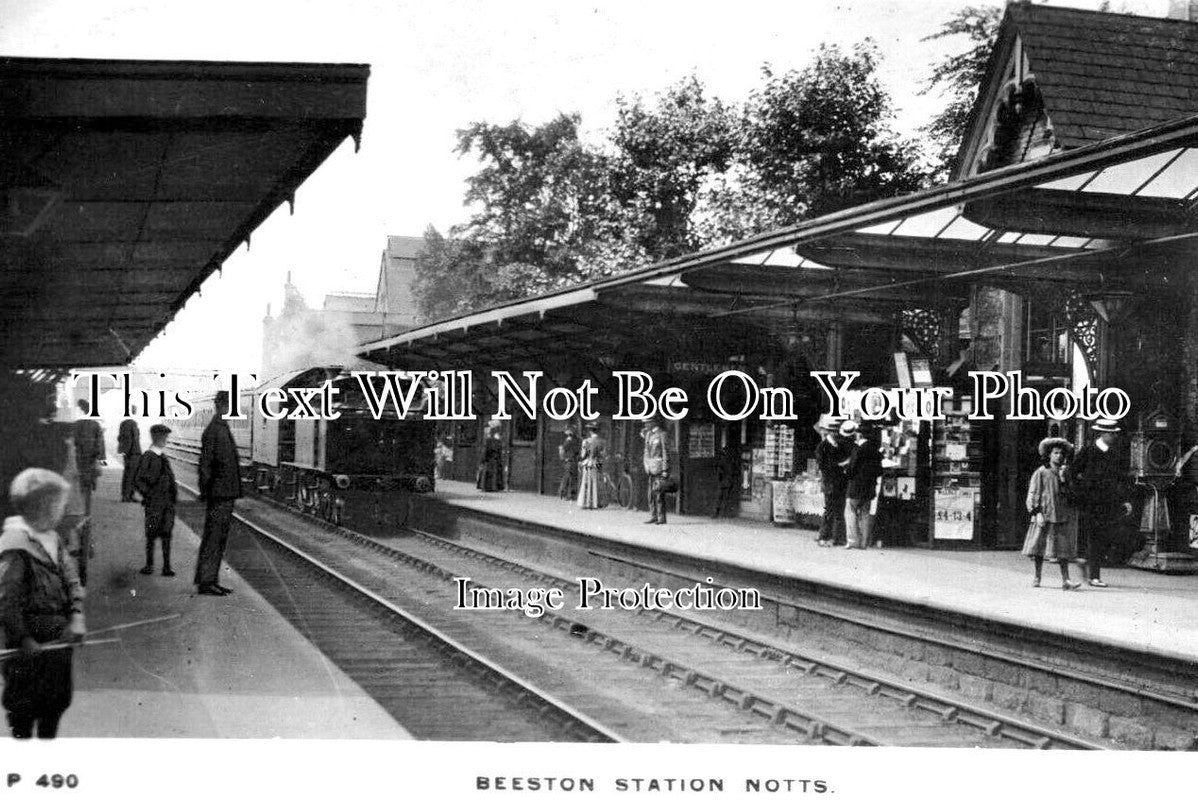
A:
(1046, 224)
(125, 184)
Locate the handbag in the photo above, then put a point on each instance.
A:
(667, 485)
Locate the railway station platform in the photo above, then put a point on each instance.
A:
(227, 667)
(1140, 611)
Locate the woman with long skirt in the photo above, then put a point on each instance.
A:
(591, 458)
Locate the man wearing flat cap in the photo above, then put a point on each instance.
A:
(220, 485)
(1103, 495)
(155, 481)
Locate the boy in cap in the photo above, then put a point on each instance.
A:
(155, 481)
(41, 602)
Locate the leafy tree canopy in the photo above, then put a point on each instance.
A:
(958, 78)
(681, 171)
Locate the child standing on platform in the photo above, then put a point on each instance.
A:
(1052, 533)
(41, 603)
(155, 481)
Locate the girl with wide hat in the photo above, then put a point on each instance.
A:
(1052, 532)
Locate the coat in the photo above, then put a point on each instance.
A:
(657, 453)
(829, 457)
(89, 449)
(863, 470)
(1052, 531)
(155, 480)
(40, 597)
(220, 468)
(1098, 482)
(128, 440)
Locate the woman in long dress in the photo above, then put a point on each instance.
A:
(1052, 533)
(591, 458)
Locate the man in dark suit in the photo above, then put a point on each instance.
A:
(220, 485)
(128, 444)
(89, 452)
(1103, 493)
(155, 480)
(569, 452)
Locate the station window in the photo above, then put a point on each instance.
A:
(1047, 337)
(524, 429)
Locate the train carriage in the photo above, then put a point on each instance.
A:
(354, 470)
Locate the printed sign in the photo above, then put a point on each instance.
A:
(700, 441)
(956, 510)
(808, 497)
(1193, 530)
(956, 451)
(783, 503)
(906, 488)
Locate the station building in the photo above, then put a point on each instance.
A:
(1064, 247)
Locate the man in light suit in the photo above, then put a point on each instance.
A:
(220, 485)
(657, 467)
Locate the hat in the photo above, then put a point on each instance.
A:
(848, 427)
(592, 426)
(1046, 446)
(221, 397)
(159, 430)
(1106, 426)
(829, 423)
(570, 431)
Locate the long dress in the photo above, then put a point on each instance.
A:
(1052, 533)
(490, 470)
(590, 481)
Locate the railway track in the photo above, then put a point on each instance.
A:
(797, 695)
(435, 686)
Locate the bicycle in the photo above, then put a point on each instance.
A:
(619, 487)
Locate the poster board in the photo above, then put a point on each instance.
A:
(956, 509)
(700, 441)
(807, 496)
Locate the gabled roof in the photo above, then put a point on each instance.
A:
(1104, 74)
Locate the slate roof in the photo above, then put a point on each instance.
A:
(1104, 74)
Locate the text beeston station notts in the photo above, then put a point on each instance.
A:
(732, 395)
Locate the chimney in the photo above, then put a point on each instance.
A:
(1183, 9)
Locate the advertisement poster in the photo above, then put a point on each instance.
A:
(397, 398)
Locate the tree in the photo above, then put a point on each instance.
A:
(540, 195)
(814, 141)
(664, 156)
(958, 77)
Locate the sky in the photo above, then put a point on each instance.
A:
(435, 68)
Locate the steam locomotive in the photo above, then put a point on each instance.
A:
(353, 471)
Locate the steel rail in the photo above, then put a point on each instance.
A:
(596, 728)
(949, 709)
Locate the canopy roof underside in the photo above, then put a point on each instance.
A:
(124, 184)
(1117, 215)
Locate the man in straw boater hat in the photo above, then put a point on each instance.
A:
(1103, 494)
(831, 456)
